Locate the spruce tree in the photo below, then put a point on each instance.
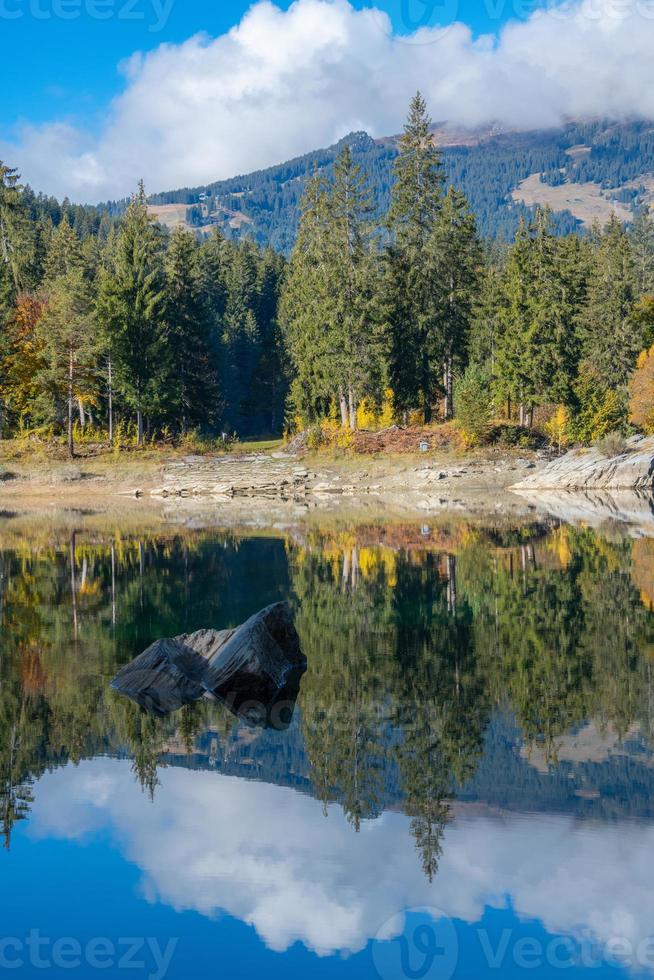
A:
(304, 309)
(349, 269)
(642, 247)
(194, 381)
(611, 339)
(69, 344)
(131, 307)
(455, 258)
(413, 294)
(241, 346)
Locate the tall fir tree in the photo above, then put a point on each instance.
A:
(304, 309)
(642, 248)
(413, 294)
(610, 337)
(455, 258)
(194, 393)
(69, 345)
(131, 306)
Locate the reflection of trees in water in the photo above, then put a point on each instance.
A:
(409, 648)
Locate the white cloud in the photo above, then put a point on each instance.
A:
(270, 857)
(283, 83)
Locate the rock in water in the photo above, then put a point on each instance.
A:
(254, 669)
(259, 668)
(163, 678)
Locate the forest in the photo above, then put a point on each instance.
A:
(113, 329)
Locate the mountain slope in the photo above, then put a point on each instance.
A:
(583, 170)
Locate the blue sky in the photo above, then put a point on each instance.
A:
(52, 65)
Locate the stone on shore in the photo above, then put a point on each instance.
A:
(589, 469)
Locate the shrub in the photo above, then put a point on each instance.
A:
(557, 428)
(612, 444)
(473, 404)
(600, 409)
(641, 393)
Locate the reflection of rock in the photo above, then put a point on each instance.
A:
(634, 510)
(590, 744)
(254, 669)
(589, 469)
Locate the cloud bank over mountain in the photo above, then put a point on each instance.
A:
(281, 83)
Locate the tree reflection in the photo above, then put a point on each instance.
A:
(413, 642)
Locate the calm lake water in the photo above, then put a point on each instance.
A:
(466, 788)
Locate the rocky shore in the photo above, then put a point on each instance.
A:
(590, 469)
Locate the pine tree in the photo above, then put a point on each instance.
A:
(130, 307)
(304, 309)
(350, 278)
(69, 343)
(611, 339)
(512, 363)
(194, 378)
(272, 370)
(14, 228)
(455, 258)
(64, 252)
(642, 248)
(413, 294)
(241, 347)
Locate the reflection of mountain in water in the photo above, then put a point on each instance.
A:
(447, 660)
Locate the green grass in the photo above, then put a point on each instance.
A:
(258, 446)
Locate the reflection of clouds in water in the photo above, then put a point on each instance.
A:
(268, 856)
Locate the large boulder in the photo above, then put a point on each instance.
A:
(254, 669)
(590, 469)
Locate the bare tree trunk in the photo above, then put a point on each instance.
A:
(343, 406)
(71, 447)
(352, 409)
(111, 401)
(139, 427)
(451, 583)
(82, 417)
(448, 386)
(113, 584)
(73, 590)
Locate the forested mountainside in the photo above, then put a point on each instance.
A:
(583, 170)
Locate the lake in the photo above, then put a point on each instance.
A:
(465, 788)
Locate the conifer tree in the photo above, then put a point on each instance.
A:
(350, 280)
(413, 293)
(240, 338)
(64, 252)
(642, 247)
(304, 310)
(194, 381)
(455, 258)
(69, 343)
(611, 339)
(131, 306)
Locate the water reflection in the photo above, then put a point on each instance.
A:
(454, 672)
(269, 857)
